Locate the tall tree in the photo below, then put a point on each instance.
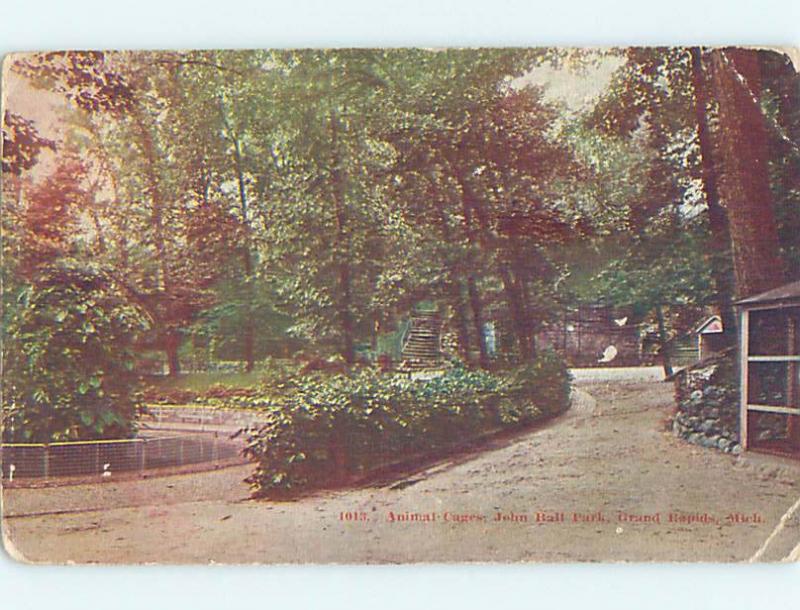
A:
(744, 183)
(718, 248)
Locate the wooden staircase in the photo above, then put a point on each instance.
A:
(422, 348)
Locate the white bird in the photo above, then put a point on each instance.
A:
(609, 354)
(11, 470)
(106, 471)
(621, 321)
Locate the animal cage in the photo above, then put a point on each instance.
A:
(769, 353)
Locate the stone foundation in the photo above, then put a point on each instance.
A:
(707, 401)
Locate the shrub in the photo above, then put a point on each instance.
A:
(169, 395)
(324, 429)
(69, 359)
(540, 388)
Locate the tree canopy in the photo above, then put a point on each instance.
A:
(257, 203)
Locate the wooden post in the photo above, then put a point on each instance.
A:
(793, 426)
(46, 461)
(142, 456)
(744, 352)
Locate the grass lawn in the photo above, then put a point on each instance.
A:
(200, 382)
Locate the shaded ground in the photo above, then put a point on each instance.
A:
(608, 458)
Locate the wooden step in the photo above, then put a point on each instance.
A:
(421, 350)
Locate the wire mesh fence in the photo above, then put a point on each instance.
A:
(201, 417)
(103, 458)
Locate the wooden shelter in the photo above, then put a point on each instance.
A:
(710, 337)
(769, 353)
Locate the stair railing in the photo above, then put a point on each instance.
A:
(406, 335)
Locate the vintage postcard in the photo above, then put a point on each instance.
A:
(401, 305)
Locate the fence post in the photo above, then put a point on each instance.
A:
(215, 450)
(97, 459)
(180, 451)
(142, 462)
(46, 459)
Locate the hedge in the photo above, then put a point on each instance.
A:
(325, 430)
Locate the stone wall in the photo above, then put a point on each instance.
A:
(707, 399)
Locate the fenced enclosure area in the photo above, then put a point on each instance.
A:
(200, 417)
(105, 458)
(769, 361)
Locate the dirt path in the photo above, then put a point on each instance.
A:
(599, 483)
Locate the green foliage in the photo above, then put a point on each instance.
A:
(323, 430)
(241, 308)
(211, 387)
(663, 268)
(68, 361)
(640, 139)
(541, 388)
(258, 202)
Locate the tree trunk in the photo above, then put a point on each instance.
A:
(530, 321)
(338, 179)
(153, 191)
(456, 286)
(163, 278)
(462, 323)
(744, 184)
(719, 246)
(477, 318)
(517, 310)
(468, 205)
(98, 229)
(172, 344)
(663, 342)
(248, 330)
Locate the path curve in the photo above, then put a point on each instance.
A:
(609, 456)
